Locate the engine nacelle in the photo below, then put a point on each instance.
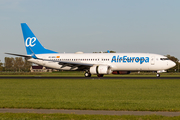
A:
(121, 72)
(101, 69)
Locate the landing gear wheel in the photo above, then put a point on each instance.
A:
(87, 74)
(100, 75)
(158, 75)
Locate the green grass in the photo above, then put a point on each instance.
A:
(126, 94)
(30, 116)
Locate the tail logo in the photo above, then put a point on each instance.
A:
(30, 42)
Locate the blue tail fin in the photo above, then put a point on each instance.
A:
(32, 42)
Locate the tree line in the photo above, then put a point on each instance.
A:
(17, 64)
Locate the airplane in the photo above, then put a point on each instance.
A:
(92, 63)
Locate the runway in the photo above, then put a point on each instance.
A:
(87, 112)
(66, 77)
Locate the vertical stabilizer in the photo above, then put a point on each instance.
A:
(32, 42)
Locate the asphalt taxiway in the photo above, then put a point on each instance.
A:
(66, 77)
(87, 112)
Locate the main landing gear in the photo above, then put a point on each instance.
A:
(100, 75)
(87, 74)
(157, 75)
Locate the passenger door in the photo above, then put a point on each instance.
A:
(152, 60)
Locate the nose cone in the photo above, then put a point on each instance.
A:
(171, 64)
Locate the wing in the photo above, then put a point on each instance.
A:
(79, 65)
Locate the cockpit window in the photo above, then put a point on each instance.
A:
(164, 59)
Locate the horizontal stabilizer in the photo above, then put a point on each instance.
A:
(18, 55)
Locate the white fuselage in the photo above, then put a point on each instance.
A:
(117, 61)
(92, 63)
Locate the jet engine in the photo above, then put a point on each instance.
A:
(101, 69)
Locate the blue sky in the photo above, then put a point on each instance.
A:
(92, 25)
